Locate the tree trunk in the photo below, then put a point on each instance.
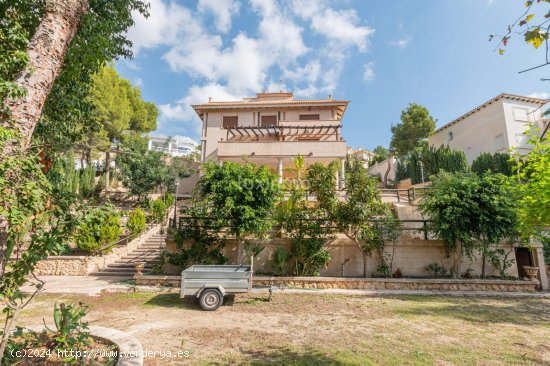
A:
(46, 51)
(107, 170)
(365, 260)
(457, 259)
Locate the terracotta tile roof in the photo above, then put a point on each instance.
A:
(487, 103)
(274, 94)
(258, 103)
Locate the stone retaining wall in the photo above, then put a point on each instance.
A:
(76, 265)
(368, 283)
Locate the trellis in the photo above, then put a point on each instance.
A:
(280, 132)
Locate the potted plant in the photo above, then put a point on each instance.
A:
(532, 272)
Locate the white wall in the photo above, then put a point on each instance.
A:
(518, 116)
(213, 133)
(483, 131)
(382, 167)
(495, 128)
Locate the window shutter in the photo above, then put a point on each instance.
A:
(230, 121)
(309, 117)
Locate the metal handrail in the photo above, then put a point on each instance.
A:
(411, 192)
(424, 222)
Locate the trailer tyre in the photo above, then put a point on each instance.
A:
(210, 299)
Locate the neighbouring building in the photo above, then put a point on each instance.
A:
(362, 154)
(271, 129)
(495, 126)
(172, 145)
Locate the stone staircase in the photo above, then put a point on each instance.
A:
(148, 252)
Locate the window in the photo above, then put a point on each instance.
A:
(269, 120)
(521, 114)
(230, 121)
(451, 136)
(309, 117)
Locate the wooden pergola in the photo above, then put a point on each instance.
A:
(280, 132)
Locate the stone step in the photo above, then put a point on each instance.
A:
(141, 255)
(122, 269)
(138, 259)
(131, 264)
(117, 274)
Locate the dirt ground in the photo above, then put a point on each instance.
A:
(314, 329)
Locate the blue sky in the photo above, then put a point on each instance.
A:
(381, 55)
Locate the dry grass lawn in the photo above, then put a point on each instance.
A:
(313, 329)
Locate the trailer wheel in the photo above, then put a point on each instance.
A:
(210, 299)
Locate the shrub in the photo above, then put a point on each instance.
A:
(433, 160)
(168, 199)
(546, 248)
(437, 269)
(158, 209)
(197, 245)
(280, 259)
(496, 163)
(136, 223)
(87, 181)
(99, 227)
(499, 259)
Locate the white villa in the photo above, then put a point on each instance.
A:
(495, 126)
(271, 129)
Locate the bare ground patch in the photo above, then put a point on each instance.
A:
(313, 329)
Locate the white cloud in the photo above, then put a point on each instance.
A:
(274, 56)
(131, 64)
(163, 27)
(541, 95)
(138, 82)
(181, 110)
(369, 74)
(280, 38)
(401, 42)
(223, 11)
(342, 26)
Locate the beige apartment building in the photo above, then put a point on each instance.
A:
(271, 129)
(495, 126)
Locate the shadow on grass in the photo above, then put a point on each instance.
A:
(174, 301)
(478, 310)
(188, 302)
(286, 356)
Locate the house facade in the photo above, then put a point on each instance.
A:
(495, 126)
(271, 129)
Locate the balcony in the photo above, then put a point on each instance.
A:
(316, 149)
(286, 131)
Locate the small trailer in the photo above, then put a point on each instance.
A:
(210, 283)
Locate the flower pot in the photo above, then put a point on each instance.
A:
(532, 272)
(139, 268)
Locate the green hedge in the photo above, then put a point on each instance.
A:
(496, 163)
(99, 227)
(433, 160)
